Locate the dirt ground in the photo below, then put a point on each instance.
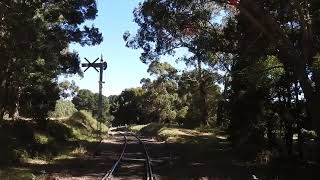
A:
(170, 161)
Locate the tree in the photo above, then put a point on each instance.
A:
(297, 53)
(84, 100)
(68, 89)
(63, 108)
(241, 44)
(128, 107)
(87, 100)
(191, 95)
(161, 94)
(34, 46)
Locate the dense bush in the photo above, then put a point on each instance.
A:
(64, 108)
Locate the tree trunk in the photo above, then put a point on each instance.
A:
(14, 109)
(3, 92)
(203, 96)
(287, 54)
(299, 120)
(289, 119)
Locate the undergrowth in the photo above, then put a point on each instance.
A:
(23, 141)
(173, 134)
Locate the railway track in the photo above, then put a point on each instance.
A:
(148, 174)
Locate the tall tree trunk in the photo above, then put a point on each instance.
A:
(14, 109)
(289, 119)
(203, 95)
(3, 91)
(299, 120)
(288, 55)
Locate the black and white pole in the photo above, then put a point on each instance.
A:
(102, 65)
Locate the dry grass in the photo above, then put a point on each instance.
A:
(172, 134)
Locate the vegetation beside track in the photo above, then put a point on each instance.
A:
(16, 174)
(24, 142)
(173, 134)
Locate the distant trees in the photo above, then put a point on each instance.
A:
(200, 98)
(34, 40)
(63, 109)
(169, 98)
(161, 94)
(87, 100)
(128, 107)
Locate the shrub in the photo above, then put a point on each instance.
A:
(63, 108)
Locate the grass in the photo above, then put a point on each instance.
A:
(84, 126)
(16, 174)
(212, 149)
(136, 128)
(174, 134)
(42, 138)
(23, 142)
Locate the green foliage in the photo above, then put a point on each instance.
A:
(173, 134)
(190, 95)
(39, 100)
(128, 107)
(35, 36)
(84, 126)
(60, 131)
(169, 98)
(87, 100)
(68, 89)
(63, 108)
(84, 100)
(22, 140)
(268, 56)
(161, 94)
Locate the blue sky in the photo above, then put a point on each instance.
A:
(125, 70)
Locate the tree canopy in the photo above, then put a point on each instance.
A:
(264, 53)
(34, 49)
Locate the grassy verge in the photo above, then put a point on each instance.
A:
(174, 134)
(23, 142)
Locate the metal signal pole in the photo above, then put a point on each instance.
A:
(102, 65)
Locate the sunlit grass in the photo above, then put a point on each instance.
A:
(63, 157)
(137, 128)
(79, 151)
(35, 161)
(173, 134)
(42, 138)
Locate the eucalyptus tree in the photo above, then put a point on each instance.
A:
(237, 35)
(166, 26)
(289, 29)
(128, 107)
(161, 95)
(34, 41)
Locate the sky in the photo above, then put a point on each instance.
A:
(125, 70)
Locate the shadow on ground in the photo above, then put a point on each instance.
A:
(215, 160)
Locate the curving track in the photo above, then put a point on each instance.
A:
(147, 162)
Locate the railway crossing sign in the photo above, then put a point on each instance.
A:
(99, 67)
(95, 65)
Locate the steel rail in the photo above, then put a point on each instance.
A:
(149, 173)
(109, 173)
